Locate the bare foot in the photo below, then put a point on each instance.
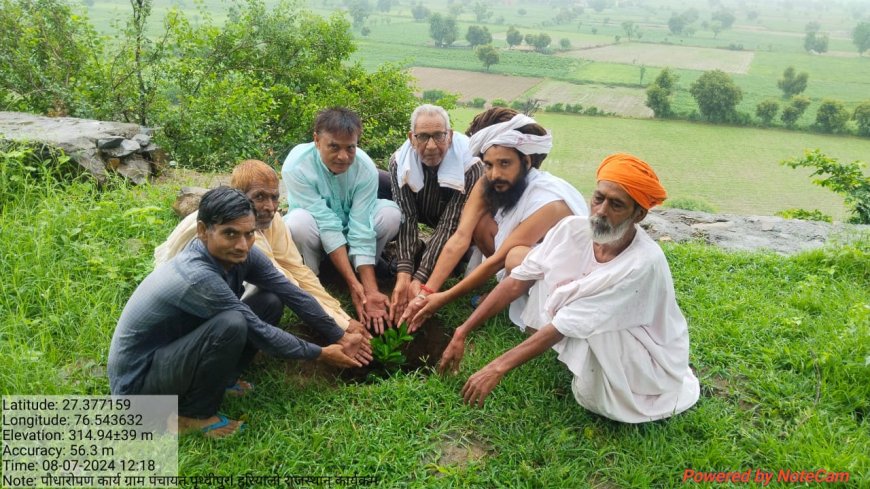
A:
(240, 388)
(217, 426)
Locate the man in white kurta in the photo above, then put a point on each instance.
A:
(603, 298)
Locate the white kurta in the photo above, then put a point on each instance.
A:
(626, 341)
(543, 188)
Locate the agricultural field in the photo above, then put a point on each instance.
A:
(623, 101)
(731, 168)
(470, 84)
(660, 55)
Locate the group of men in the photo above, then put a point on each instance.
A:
(585, 281)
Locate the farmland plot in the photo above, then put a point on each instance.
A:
(470, 84)
(690, 58)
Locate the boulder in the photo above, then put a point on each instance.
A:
(98, 147)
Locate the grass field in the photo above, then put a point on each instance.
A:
(780, 346)
(735, 169)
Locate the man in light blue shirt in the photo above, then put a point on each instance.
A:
(334, 210)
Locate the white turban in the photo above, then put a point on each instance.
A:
(505, 134)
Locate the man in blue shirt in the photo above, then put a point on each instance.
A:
(334, 210)
(185, 331)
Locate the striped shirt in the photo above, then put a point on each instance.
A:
(434, 206)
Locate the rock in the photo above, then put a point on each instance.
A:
(109, 143)
(136, 169)
(746, 233)
(143, 139)
(93, 145)
(188, 200)
(127, 147)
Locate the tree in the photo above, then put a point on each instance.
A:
(792, 84)
(631, 30)
(658, 94)
(848, 180)
(676, 24)
(725, 17)
(861, 37)
(359, 11)
(385, 5)
(794, 111)
(766, 110)
(541, 41)
(481, 10)
(717, 95)
(599, 5)
(488, 55)
(862, 117)
(420, 12)
(832, 116)
(513, 37)
(443, 30)
(814, 42)
(565, 43)
(478, 36)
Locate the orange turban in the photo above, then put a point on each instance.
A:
(635, 176)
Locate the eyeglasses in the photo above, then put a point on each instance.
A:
(439, 137)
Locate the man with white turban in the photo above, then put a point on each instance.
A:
(602, 296)
(510, 209)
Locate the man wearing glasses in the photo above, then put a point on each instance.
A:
(431, 177)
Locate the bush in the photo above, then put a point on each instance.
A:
(794, 111)
(767, 110)
(573, 108)
(805, 215)
(832, 116)
(477, 103)
(499, 103)
(717, 95)
(557, 107)
(848, 180)
(862, 117)
(690, 204)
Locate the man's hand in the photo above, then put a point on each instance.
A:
(422, 308)
(452, 356)
(415, 288)
(358, 296)
(355, 346)
(481, 384)
(334, 355)
(400, 296)
(377, 311)
(355, 326)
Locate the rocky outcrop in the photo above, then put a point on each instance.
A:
(98, 147)
(747, 233)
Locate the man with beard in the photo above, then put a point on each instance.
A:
(432, 175)
(602, 296)
(260, 183)
(509, 210)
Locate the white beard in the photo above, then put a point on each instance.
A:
(604, 233)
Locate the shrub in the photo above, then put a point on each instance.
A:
(717, 95)
(477, 103)
(848, 180)
(832, 116)
(862, 117)
(499, 102)
(766, 110)
(690, 204)
(805, 215)
(557, 107)
(794, 111)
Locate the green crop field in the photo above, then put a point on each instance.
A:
(735, 169)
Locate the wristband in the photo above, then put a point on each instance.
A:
(426, 289)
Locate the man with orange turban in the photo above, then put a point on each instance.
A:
(601, 295)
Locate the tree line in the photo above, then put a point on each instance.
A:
(246, 88)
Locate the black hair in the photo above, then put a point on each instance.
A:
(338, 120)
(223, 204)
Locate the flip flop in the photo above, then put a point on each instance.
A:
(475, 301)
(220, 423)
